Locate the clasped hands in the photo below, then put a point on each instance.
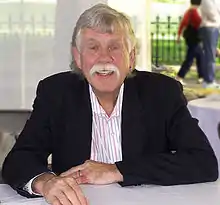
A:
(65, 190)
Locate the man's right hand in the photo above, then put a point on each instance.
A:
(59, 190)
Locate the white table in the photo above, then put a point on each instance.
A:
(207, 111)
(196, 194)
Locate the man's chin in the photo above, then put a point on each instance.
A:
(106, 88)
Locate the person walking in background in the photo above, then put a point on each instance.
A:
(189, 28)
(210, 13)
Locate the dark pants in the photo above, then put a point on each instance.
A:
(210, 40)
(194, 50)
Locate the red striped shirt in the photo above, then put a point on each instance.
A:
(106, 131)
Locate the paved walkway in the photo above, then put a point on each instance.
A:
(191, 83)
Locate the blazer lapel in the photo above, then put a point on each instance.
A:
(133, 129)
(79, 122)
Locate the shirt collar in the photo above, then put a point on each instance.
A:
(97, 108)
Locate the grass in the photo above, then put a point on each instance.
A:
(192, 74)
(194, 92)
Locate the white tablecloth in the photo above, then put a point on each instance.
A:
(196, 194)
(207, 111)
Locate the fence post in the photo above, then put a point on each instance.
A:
(157, 41)
(168, 38)
(162, 47)
(180, 47)
(152, 47)
(174, 49)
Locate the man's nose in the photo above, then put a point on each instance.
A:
(106, 56)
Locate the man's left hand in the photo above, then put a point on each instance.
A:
(92, 172)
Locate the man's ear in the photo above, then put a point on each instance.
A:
(76, 56)
(132, 58)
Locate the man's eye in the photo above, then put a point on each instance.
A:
(93, 48)
(114, 47)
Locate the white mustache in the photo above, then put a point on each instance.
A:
(104, 67)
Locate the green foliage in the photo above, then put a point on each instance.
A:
(168, 51)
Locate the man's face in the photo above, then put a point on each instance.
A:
(106, 56)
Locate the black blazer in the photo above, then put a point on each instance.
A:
(161, 143)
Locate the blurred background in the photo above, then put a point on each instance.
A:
(35, 40)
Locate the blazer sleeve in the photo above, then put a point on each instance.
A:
(190, 159)
(28, 158)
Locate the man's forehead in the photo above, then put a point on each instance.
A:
(93, 35)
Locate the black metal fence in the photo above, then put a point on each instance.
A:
(165, 49)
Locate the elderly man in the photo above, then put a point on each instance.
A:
(106, 123)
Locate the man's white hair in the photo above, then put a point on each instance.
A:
(104, 19)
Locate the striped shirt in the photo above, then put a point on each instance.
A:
(106, 134)
(106, 131)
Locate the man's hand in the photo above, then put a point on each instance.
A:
(59, 190)
(178, 39)
(92, 172)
